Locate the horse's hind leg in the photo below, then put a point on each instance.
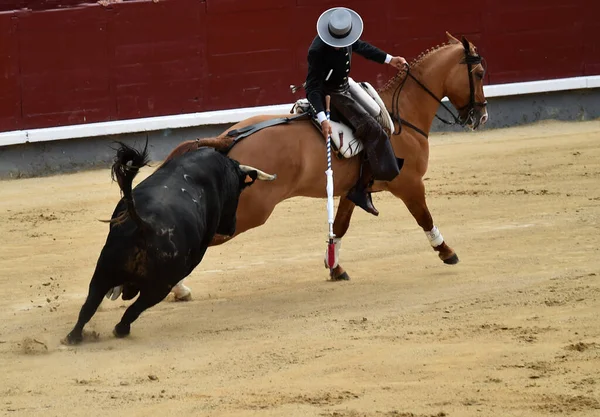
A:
(413, 195)
(182, 292)
(340, 227)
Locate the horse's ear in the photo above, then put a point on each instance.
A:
(451, 38)
(466, 44)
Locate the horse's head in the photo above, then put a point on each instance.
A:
(464, 84)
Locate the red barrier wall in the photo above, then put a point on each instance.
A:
(10, 94)
(85, 62)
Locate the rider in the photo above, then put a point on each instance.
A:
(329, 61)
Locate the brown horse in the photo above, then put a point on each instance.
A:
(296, 151)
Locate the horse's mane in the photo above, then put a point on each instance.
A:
(414, 63)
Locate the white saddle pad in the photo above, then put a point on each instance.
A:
(343, 139)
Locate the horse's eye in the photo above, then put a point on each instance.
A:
(479, 75)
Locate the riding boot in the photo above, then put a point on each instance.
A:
(359, 194)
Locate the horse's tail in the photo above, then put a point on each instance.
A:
(126, 166)
(220, 143)
(182, 148)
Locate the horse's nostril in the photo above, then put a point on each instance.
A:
(484, 119)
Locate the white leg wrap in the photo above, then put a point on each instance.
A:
(435, 237)
(337, 243)
(181, 291)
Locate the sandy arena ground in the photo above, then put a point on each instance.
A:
(513, 330)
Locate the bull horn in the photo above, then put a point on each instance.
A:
(260, 174)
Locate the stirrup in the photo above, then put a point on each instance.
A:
(362, 199)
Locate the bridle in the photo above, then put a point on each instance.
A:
(471, 61)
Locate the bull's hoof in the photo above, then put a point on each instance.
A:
(122, 330)
(453, 260)
(72, 339)
(186, 297)
(342, 277)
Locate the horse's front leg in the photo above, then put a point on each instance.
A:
(340, 227)
(412, 194)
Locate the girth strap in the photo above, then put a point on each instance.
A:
(415, 128)
(244, 132)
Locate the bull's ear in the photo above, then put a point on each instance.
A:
(250, 177)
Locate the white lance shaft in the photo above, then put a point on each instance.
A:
(329, 174)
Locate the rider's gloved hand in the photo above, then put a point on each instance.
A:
(398, 62)
(326, 128)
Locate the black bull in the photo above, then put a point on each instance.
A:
(160, 230)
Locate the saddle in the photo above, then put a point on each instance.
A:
(344, 143)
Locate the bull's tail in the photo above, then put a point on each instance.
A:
(126, 166)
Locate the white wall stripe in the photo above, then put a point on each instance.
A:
(235, 115)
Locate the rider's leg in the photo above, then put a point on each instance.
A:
(358, 194)
(381, 162)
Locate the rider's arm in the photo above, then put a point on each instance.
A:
(371, 52)
(314, 84)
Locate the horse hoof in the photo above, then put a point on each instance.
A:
(181, 292)
(187, 297)
(453, 260)
(342, 277)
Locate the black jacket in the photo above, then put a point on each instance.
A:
(322, 58)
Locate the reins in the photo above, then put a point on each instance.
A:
(470, 60)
